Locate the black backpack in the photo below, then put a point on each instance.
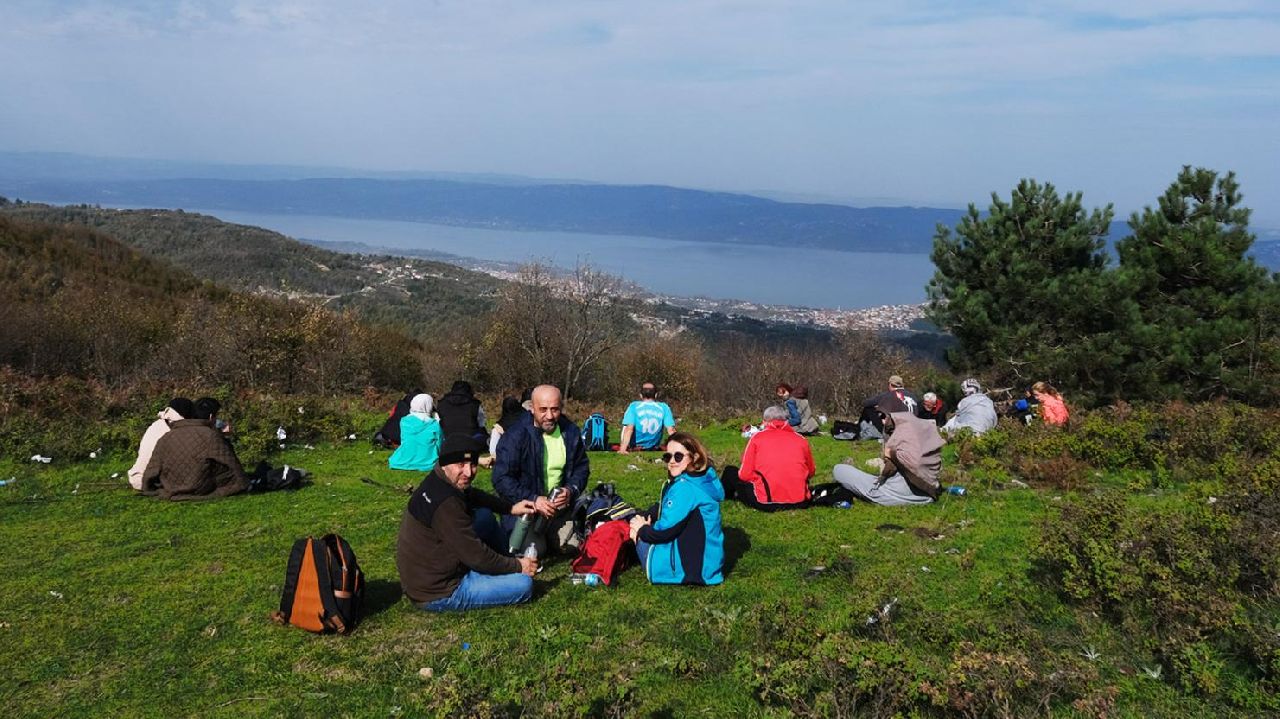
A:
(323, 586)
(602, 504)
(595, 433)
(266, 479)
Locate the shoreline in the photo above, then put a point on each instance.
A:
(897, 317)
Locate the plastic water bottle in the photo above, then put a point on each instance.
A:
(531, 552)
(843, 505)
(520, 533)
(590, 579)
(956, 490)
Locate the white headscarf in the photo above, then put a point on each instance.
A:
(420, 406)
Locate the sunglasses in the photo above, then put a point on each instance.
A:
(677, 456)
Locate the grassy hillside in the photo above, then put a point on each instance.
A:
(76, 303)
(415, 295)
(137, 607)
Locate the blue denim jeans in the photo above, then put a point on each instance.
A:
(486, 526)
(485, 590)
(642, 551)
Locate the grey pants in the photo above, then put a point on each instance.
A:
(894, 491)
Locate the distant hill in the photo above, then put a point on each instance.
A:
(75, 302)
(423, 298)
(417, 296)
(499, 203)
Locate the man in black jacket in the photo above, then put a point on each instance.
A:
(896, 399)
(448, 549)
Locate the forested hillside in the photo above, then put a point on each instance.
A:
(417, 296)
(79, 303)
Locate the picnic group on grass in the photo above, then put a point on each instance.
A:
(460, 547)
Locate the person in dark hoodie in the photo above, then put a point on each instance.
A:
(194, 460)
(512, 412)
(460, 412)
(389, 436)
(680, 540)
(449, 551)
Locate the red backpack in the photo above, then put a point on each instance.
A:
(605, 552)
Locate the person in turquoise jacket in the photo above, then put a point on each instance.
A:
(419, 437)
(680, 541)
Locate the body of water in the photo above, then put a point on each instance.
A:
(757, 273)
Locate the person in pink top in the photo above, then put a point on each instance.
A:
(1053, 409)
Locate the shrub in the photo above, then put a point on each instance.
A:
(1220, 442)
(1185, 578)
(906, 661)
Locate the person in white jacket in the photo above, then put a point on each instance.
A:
(179, 408)
(975, 412)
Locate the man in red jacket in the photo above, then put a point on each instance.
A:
(776, 467)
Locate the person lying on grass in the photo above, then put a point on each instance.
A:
(680, 540)
(450, 551)
(912, 457)
(776, 467)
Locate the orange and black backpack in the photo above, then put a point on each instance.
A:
(323, 586)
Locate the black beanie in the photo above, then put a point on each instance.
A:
(459, 447)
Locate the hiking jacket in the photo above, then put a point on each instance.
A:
(801, 415)
(976, 412)
(518, 468)
(158, 429)
(915, 448)
(894, 400)
(686, 541)
(437, 544)
(1053, 409)
(419, 444)
(778, 463)
(938, 415)
(193, 461)
(460, 414)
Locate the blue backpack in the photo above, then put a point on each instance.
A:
(595, 433)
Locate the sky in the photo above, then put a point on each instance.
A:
(926, 103)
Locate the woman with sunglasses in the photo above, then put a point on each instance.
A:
(680, 540)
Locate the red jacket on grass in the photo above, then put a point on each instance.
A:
(779, 463)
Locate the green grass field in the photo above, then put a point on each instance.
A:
(116, 604)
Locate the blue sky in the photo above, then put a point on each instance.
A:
(919, 102)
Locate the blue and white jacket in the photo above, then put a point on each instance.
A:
(686, 541)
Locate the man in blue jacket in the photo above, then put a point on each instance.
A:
(542, 453)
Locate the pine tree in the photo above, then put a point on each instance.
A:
(1208, 311)
(1026, 293)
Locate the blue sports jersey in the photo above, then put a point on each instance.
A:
(649, 418)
